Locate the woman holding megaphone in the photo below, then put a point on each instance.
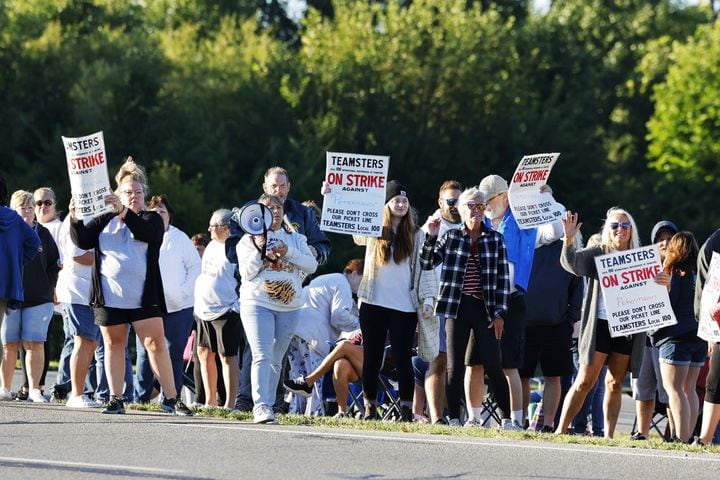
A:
(272, 266)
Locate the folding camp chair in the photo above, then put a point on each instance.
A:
(659, 421)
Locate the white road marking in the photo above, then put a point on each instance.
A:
(34, 461)
(371, 436)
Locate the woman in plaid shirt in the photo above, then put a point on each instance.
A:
(474, 292)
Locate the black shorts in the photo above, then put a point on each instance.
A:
(482, 346)
(604, 343)
(512, 344)
(550, 346)
(222, 335)
(109, 316)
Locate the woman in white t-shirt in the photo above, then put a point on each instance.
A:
(126, 284)
(219, 331)
(392, 292)
(179, 267)
(272, 270)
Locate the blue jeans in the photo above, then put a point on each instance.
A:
(268, 334)
(244, 396)
(102, 393)
(177, 326)
(62, 381)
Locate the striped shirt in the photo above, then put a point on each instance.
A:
(473, 283)
(452, 250)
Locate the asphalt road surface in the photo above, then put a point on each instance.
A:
(51, 441)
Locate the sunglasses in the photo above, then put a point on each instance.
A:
(623, 225)
(473, 205)
(451, 202)
(40, 203)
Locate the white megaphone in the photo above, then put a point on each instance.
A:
(255, 218)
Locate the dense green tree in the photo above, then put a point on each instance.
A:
(684, 131)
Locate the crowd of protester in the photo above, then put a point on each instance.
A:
(466, 308)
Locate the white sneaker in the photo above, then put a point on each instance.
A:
(508, 424)
(81, 401)
(36, 396)
(454, 422)
(473, 423)
(263, 414)
(5, 394)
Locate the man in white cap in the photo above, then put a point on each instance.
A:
(521, 246)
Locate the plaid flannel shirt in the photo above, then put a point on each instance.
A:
(453, 251)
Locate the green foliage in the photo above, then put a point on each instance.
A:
(684, 131)
(192, 213)
(208, 95)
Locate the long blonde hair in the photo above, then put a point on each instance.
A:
(606, 230)
(399, 244)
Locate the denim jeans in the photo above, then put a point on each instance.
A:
(102, 393)
(268, 333)
(62, 381)
(244, 396)
(177, 326)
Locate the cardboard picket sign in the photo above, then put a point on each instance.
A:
(87, 168)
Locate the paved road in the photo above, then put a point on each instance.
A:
(51, 441)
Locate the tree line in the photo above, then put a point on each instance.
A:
(208, 95)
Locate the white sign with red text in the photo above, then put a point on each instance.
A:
(529, 205)
(87, 167)
(708, 328)
(356, 199)
(634, 303)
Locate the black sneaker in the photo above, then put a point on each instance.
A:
(115, 406)
(406, 413)
(637, 436)
(371, 413)
(23, 394)
(298, 386)
(176, 406)
(58, 395)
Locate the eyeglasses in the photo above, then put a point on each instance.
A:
(473, 205)
(451, 202)
(131, 192)
(218, 225)
(623, 225)
(493, 198)
(40, 203)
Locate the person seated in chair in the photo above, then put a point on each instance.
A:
(330, 313)
(346, 362)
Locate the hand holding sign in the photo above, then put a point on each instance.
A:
(663, 279)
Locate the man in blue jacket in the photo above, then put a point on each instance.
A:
(521, 246)
(18, 245)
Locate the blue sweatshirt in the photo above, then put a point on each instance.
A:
(18, 246)
(520, 246)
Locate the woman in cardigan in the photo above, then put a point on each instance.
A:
(392, 291)
(596, 347)
(126, 284)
